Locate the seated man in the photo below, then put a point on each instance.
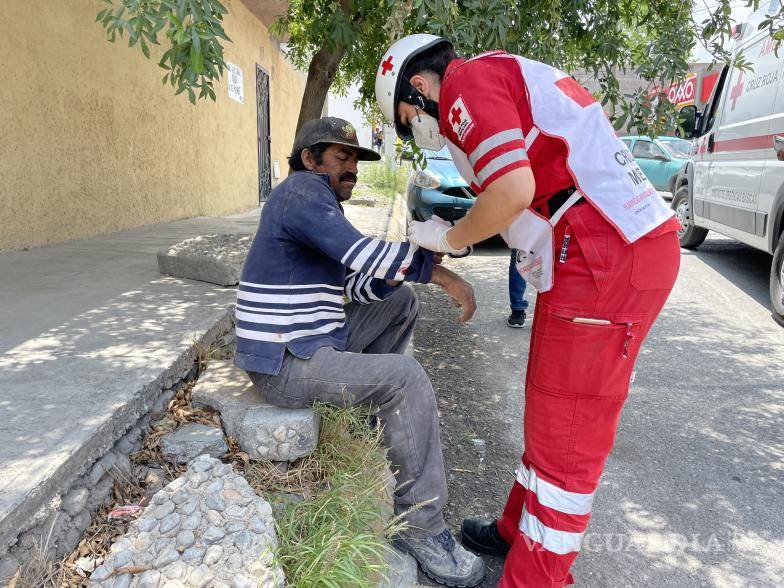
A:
(300, 344)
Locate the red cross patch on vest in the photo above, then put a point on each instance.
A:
(460, 119)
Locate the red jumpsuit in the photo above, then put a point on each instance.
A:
(578, 374)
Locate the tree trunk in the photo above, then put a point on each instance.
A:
(321, 72)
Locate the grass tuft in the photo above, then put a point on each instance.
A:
(383, 180)
(337, 535)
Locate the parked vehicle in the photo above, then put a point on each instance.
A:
(735, 185)
(438, 189)
(660, 159)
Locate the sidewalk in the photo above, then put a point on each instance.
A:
(89, 334)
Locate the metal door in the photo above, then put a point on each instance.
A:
(263, 116)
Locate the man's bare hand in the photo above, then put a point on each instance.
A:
(460, 291)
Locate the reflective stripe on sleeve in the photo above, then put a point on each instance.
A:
(552, 496)
(501, 162)
(553, 540)
(495, 141)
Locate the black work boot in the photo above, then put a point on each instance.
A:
(516, 320)
(483, 536)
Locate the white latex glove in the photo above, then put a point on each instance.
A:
(431, 235)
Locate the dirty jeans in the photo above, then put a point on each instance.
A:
(374, 371)
(517, 285)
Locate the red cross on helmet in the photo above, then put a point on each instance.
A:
(388, 78)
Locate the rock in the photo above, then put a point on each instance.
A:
(122, 468)
(216, 259)
(184, 539)
(148, 579)
(402, 571)
(201, 576)
(81, 521)
(263, 431)
(192, 522)
(163, 510)
(101, 492)
(215, 501)
(100, 467)
(86, 564)
(154, 481)
(100, 573)
(170, 523)
(193, 439)
(213, 535)
(204, 554)
(121, 559)
(143, 541)
(213, 555)
(74, 502)
(176, 571)
(123, 581)
(189, 506)
(9, 568)
(193, 555)
(147, 524)
(166, 557)
(215, 518)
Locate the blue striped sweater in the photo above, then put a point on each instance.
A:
(305, 261)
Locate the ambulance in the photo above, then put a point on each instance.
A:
(734, 184)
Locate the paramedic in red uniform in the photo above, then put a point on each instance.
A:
(597, 242)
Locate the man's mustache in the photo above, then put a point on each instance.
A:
(348, 176)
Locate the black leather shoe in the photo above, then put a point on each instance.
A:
(483, 536)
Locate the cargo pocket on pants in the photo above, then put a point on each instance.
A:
(574, 358)
(656, 262)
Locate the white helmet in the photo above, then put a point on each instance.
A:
(389, 78)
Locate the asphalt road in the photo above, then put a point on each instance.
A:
(693, 493)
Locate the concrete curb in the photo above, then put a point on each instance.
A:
(398, 216)
(396, 231)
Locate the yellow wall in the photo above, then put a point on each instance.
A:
(92, 142)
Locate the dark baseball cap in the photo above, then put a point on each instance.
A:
(331, 130)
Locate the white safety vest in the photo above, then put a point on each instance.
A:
(600, 164)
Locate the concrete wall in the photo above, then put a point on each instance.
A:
(92, 142)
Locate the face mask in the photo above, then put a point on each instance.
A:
(425, 130)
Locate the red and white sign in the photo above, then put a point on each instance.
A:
(683, 93)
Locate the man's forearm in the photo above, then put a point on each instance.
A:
(460, 291)
(442, 276)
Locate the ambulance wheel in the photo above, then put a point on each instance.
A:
(777, 282)
(689, 235)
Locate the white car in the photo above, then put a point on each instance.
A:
(735, 183)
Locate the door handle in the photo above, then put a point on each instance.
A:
(778, 146)
(711, 141)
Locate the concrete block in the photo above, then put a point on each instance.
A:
(74, 502)
(217, 259)
(263, 431)
(214, 550)
(193, 439)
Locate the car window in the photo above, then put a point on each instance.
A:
(442, 153)
(628, 142)
(646, 150)
(678, 147)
